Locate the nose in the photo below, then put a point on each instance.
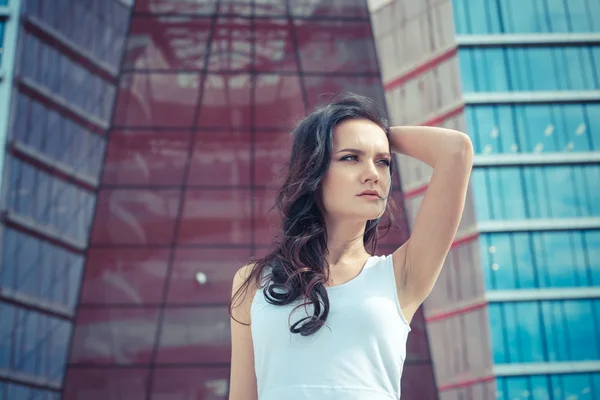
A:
(370, 173)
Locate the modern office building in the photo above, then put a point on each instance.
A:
(516, 312)
(144, 142)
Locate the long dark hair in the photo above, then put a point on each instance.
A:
(297, 268)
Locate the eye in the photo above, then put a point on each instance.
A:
(385, 161)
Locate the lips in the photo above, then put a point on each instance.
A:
(370, 193)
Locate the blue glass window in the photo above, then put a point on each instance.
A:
(544, 387)
(536, 192)
(499, 345)
(13, 391)
(534, 128)
(533, 68)
(42, 197)
(98, 29)
(542, 331)
(67, 79)
(40, 270)
(540, 259)
(2, 24)
(41, 347)
(516, 16)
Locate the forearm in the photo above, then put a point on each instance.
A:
(430, 144)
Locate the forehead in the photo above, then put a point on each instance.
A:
(360, 134)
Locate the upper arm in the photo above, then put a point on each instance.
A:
(419, 261)
(242, 382)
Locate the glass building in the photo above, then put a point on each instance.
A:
(516, 311)
(144, 141)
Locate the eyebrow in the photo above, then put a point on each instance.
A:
(360, 152)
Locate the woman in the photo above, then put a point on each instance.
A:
(320, 317)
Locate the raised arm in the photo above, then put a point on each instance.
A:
(419, 261)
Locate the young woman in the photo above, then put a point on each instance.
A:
(320, 317)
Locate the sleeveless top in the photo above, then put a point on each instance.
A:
(358, 354)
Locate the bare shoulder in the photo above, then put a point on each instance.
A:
(242, 275)
(242, 373)
(241, 294)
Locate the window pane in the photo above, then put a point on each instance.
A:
(123, 336)
(544, 331)
(190, 383)
(159, 99)
(331, 8)
(320, 49)
(139, 157)
(191, 334)
(41, 347)
(136, 216)
(167, 43)
(39, 270)
(532, 68)
(106, 383)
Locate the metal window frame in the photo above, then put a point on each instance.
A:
(541, 294)
(535, 39)
(550, 158)
(556, 367)
(539, 224)
(540, 96)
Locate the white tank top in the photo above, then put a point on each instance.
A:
(358, 354)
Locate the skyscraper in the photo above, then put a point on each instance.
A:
(515, 313)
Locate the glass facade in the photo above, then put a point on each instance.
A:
(534, 128)
(530, 68)
(514, 16)
(207, 95)
(537, 182)
(580, 386)
(517, 296)
(66, 59)
(530, 260)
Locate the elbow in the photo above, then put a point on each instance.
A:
(463, 149)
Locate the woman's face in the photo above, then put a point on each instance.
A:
(360, 161)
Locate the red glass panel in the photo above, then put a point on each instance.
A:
(114, 336)
(121, 276)
(175, 6)
(221, 158)
(329, 8)
(274, 49)
(398, 232)
(130, 216)
(103, 384)
(190, 383)
(168, 43)
(195, 335)
(417, 347)
(146, 158)
(225, 101)
(217, 266)
(237, 7)
(418, 382)
(269, 8)
(271, 157)
(320, 89)
(267, 220)
(279, 101)
(230, 45)
(336, 46)
(215, 217)
(157, 99)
